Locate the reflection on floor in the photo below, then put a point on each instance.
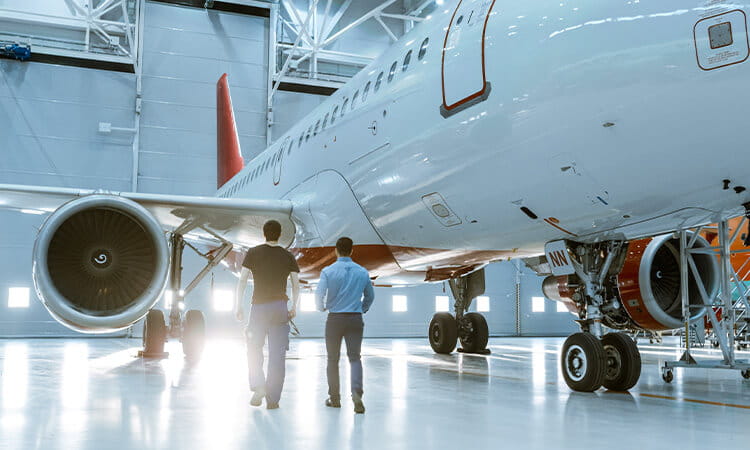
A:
(93, 394)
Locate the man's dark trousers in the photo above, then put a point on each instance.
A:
(272, 320)
(349, 327)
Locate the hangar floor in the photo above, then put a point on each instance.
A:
(93, 394)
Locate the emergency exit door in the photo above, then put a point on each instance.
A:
(464, 79)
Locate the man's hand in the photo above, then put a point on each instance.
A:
(292, 313)
(239, 314)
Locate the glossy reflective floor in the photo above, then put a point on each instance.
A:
(93, 394)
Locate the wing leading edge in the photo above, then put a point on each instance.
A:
(209, 219)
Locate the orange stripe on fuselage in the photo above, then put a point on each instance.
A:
(382, 260)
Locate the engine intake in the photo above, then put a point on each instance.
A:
(649, 282)
(100, 263)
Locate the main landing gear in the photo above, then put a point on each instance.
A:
(190, 328)
(591, 359)
(468, 327)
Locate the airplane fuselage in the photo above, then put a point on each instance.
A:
(523, 122)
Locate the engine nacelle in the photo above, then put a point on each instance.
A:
(559, 290)
(100, 263)
(649, 282)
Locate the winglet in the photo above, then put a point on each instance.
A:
(228, 154)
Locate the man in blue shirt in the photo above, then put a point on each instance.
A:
(345, 291)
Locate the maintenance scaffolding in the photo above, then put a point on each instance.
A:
(728, 311)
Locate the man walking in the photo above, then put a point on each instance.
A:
(271, 266)
(346, 292)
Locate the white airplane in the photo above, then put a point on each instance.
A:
(577, 135)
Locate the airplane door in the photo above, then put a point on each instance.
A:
(278, 159)
(464, 80)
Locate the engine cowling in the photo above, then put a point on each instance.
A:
(649, 282)
(100, 263)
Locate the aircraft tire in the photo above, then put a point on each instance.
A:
(583, 361)
(154, 333)
(622, 368)
(193, 334)
(477, 339)
(443, 333)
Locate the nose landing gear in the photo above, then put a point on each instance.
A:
(591, 359)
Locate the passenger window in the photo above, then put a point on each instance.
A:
(423, 48)
(355, 97)
(366, 91)
(325, 122)
(407, 59)
(317, 127)
(378, 81)
(334, 114)
(307, 136)
(343, 106)
(392, 71)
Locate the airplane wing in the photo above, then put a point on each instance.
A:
(205, 219)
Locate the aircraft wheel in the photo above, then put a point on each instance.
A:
(623, 362)
(667, 375)
(193, 334)
(443, 333)
(746, 374)
(583, 361)
(475, 338)
(154, 333)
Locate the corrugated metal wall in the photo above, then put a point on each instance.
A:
(186, 50)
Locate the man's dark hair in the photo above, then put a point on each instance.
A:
(272, 230)
(344, 246)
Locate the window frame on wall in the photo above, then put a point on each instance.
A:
(397, 306)
(538, 304)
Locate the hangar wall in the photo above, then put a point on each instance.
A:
(50, 116)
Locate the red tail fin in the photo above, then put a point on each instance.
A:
(228, 154)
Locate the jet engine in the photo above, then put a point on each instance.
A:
(643, 290)
(649, 282)
(100, 263)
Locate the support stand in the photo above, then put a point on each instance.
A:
(725, 328)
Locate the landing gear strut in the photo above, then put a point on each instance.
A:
(190, 328)
(591, 359)
(468, 327)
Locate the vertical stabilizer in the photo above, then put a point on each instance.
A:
(228, 155)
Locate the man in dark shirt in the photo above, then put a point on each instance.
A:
(345, 291)
(271, 265)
